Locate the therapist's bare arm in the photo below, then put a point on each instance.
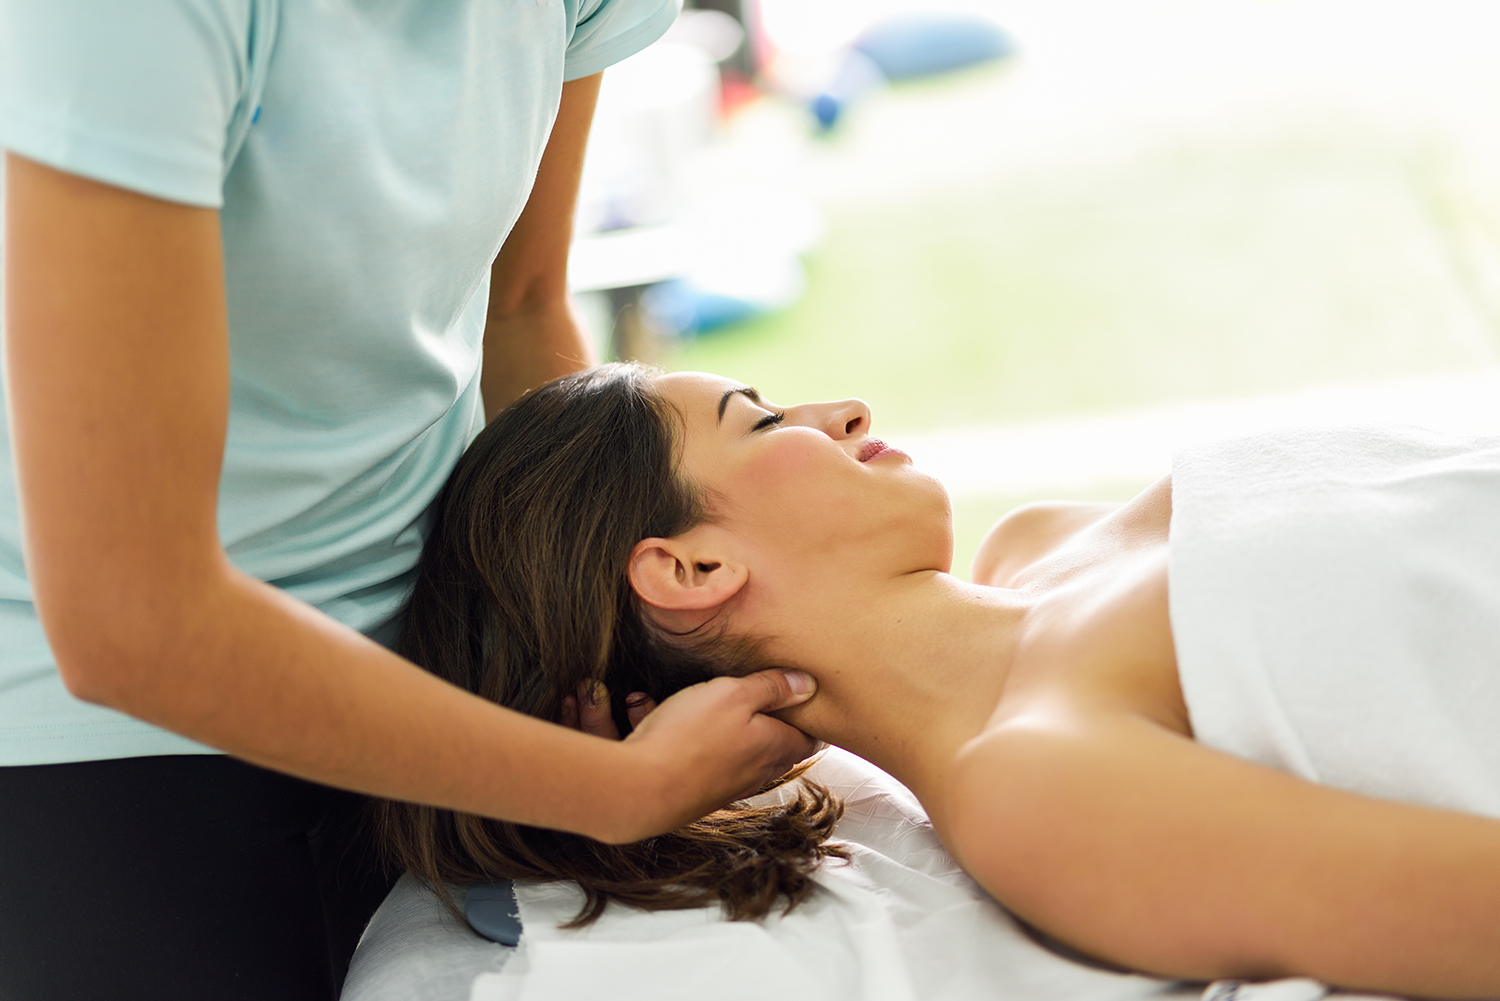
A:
(532, 333)
(117, 370)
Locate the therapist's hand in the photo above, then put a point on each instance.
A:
(709, 744)
(588, 710)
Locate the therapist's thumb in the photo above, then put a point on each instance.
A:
(781, 688)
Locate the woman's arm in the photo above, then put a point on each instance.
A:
(1144, 848)
(531, 332)
(117, 370)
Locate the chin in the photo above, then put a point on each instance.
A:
(943, 549)
(937, 528)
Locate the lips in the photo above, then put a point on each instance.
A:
(874, 448)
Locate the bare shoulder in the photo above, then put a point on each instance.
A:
(1070, 820)
(1083, 822)
(1029, 533)
(1033, 532)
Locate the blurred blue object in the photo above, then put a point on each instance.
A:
(857, 74)
(907, 47)
(729, 279)
(492, 911)
(680, 307)
(916, 45)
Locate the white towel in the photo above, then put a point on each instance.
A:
(1335, 601)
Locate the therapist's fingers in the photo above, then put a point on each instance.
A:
(596, 717)
(779, 688)
(712, 743)
(593, 710)
(769, 691)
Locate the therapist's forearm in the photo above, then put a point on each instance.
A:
(241, 666)
(117, 383)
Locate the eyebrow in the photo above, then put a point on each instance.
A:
(746, 391)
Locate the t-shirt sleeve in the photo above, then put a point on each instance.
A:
(610, 30)
(134, 93)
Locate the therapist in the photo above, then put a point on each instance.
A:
(268, 267)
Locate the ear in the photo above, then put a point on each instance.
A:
(685, 579)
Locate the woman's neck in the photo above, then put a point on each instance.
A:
(908, 671)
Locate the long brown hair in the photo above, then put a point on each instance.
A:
(522, 594)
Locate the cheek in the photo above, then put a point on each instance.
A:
(798, 502)
(793, 483)
(799, 468)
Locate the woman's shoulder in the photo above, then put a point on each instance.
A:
(1033, 532)
(1030, 533)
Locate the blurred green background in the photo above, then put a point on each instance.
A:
(1156, 203)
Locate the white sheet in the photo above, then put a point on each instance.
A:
(413, 948)
(900, 922)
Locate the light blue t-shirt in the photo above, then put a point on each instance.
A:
(393, 145)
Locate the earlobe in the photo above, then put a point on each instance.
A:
(678, 575)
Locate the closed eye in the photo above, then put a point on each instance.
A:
(769, 421)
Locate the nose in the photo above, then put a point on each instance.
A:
(837, 419)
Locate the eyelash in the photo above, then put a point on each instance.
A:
(769, 421)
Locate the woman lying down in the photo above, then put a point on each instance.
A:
(1241, 726)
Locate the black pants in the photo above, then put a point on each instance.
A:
(187, 876)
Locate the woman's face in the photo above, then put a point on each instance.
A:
(805, 489)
